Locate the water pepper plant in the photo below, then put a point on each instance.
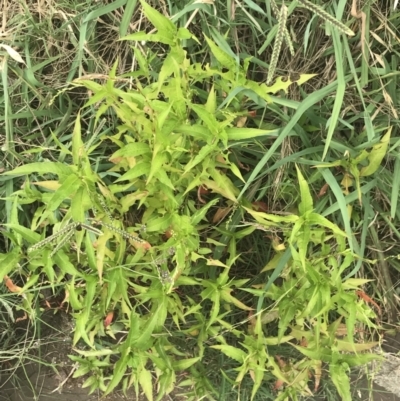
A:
(135, 238)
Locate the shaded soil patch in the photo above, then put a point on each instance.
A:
(46, 372)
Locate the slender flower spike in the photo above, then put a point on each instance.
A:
(278, 43)
(327, 17)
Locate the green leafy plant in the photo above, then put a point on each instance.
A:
(134, 297)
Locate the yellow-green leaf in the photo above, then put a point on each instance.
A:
(306, 204)
(145, 381)
(376, 155)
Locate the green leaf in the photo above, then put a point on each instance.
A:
(144, 67)
(119, 371)
(77, 144)
(145, 339)
(204, 152)
(265, 218)
(77, 205)
(63, 262)
(287, 311)
(376, 155)
(351, 320)
(235, 170)
(227, 297)
(184, 364)
(90, 382)
(81, 321)
(206, 117)
(211, 104)
(341, 380)
(162, 117)
(169, 67)
(223, 58)
(156, 165)
(162, 176)
(41, 168)
(314, 218)
(91, 258)
(306, 204)
(145, 381)
(142, 168)
(232, 352)
(149, 37)
(48, 266)
(95, 352)
(199, 215)
(73, 296)
(67, 188)
(321, 354)
(158, 224)
(26, 233)
(9, 261)
(81, 371)
(164, 25)
(132, 150)
(222, 185)
(184, 33)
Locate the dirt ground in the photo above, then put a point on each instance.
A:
(52, 380)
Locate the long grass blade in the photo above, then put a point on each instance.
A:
(339, 91)
(306, 104)
(127, 17)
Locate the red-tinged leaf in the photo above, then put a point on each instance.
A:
(202, 191)
(278, 384)
(116, 160)
(260, 206)
(252, 321)
(281, 362)
(10, 285)
(368, 299)
(20, 319)
(241, 121)
(109, 318)
(221, 213)
(304, 342)
(169, 233)
(141, 244)
(317, 375)
(323, 190)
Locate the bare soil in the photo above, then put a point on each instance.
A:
(46, 374)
